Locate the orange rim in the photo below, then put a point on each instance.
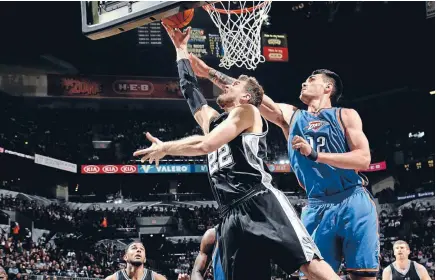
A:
(210, 7)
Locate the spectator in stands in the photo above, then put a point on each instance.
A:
(3, 274)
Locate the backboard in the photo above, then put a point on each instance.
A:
(101, 19)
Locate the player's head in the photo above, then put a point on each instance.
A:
(401, 250)
(244, 90)
(321, 83)
(134, 254)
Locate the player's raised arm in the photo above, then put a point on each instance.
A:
(206, 248)
(188, 82)
(239, 120)
(277, 113)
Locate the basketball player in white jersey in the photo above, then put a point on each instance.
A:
(403, 268)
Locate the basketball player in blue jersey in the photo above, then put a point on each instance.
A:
(327, 148)
(252, 210)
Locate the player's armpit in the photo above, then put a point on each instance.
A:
(204, 117)
(239, 120)
(386, 274)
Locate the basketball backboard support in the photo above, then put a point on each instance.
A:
(101, 19)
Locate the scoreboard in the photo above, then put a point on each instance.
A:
(202, 43)
(149, 34)
(206, 42)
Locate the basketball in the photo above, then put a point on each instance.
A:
(179, 20)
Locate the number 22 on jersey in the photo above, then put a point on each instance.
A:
(219, 159)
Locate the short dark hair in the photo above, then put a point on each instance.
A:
(130, 244)
(333, 78)
(254, 88)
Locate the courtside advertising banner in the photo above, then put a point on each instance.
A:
(56, 163)
(279, 168)
(378, 166)
(120, 87)
(166, 168)
(184, 168)
(109, 169)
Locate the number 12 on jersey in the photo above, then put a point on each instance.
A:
(219, 159)
(320, 143)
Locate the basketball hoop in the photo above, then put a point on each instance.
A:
(239, 24)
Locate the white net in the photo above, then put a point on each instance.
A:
(240, 31)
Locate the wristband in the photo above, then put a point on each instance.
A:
(313, 155)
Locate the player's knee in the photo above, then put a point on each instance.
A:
(363, 275)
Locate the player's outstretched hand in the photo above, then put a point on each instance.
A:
(300, 144)
(183, 276)
(200, 68)
(180, 39)
(153, 153)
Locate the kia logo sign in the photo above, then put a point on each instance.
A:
(128, 169)
(133, 87)
(91, 169)
(110, 169)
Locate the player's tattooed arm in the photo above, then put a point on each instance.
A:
(277, 113)
(219, 79)
(203, 70)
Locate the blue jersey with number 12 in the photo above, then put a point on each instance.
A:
(325, 134)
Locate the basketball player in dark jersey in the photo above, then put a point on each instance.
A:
(403, 268)
(253, 212)
(134, 256)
